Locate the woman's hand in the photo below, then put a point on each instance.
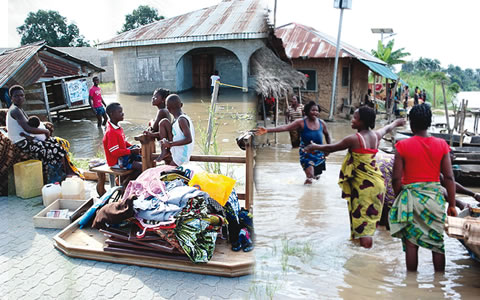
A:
(261, 131)
(47, 133)
(451, 211)
(400, 122)
(310, 148)
(476, 196)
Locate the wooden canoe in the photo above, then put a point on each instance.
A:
(89, 243)
(471, 141)
(455, 227)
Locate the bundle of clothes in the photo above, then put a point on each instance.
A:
(161, 201)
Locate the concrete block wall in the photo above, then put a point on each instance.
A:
(229, 68)
(140, 70)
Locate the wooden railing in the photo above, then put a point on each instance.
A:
(149, 156)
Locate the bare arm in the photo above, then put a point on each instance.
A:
(23, 122)
(184, 126)
(292, 126)
(397, 174)
(325, 132)
(449, 182)
(383, 131)
(345, 143)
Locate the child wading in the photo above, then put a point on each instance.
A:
(361, 181)
(418, 214)
(97, 103)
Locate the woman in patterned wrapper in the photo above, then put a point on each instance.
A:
(361, 181)
(418, 214)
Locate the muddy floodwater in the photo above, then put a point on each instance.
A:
(234, 110)
(302, 232)
(303, 249)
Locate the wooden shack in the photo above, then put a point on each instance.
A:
(53, 80)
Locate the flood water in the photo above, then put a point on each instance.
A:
(303, 249)
(302, 232)
(235, 111)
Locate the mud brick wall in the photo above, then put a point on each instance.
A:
(324, 66)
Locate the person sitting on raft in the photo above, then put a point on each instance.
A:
(312, 130)
(418, 214)
(361, 181)
(183, 133)
(161, 127)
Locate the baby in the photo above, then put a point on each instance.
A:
(34, 121)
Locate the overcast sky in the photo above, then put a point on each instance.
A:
(442, 29)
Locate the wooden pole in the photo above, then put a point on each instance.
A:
(462, 124)
(211, 115)
(45, 98)
(249, 173)
(374, 91)
(276, 118)
(450, 131)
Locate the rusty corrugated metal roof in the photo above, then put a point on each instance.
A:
(12, 60)
(303, 41)
(27, 64)
(239, 19)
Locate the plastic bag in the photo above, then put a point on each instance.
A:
(218, 186)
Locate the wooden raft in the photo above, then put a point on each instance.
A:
(88, 243)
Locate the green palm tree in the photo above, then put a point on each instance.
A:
(388, 55)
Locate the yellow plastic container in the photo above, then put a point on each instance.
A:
(28, 178)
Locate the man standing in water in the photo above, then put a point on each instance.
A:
(97, 103)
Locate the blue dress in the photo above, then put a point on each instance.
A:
(316, 159)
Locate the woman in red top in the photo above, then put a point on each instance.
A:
(418, 214)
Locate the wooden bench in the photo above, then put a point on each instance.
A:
(112, 173)
(149, 155)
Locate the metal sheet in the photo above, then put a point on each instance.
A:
(240, 19)
(303, 41)
(380, 69)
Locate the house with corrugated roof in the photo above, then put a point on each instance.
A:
(182, 52)
(53, 80)
(313, 53)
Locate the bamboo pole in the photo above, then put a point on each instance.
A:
(249, 172)
(211, 115)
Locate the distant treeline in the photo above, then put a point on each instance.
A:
(468, 79)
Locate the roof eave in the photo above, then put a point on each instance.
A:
(186, 39)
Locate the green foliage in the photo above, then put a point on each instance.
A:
(429, 82)
(143, 15)
(466, 80)
(51, 27)
(388, 55)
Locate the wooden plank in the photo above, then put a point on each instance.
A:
(35, 102)
(45, 99)
(36, 112)
(89, 243)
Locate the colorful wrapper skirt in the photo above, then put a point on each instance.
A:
(418, 215)
(363, 187)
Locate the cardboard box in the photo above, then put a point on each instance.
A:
(75, 207)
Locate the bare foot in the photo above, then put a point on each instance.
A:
(308, 181)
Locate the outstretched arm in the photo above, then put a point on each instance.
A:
(345, 143)
(383, 131)
(292, 126)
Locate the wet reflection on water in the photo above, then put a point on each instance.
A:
(303, 248)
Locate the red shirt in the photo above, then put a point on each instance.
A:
(114, 144)
(96, 94)
(422, 158)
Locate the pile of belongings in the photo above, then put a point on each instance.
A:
(166, 214)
